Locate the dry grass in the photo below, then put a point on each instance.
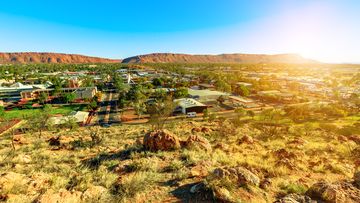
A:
(153, 176)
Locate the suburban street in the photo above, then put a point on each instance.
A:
(108, 109)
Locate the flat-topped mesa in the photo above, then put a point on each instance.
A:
(222, 58)
(44, 57)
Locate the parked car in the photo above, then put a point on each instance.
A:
(191, 114)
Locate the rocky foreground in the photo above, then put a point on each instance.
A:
(190, 161)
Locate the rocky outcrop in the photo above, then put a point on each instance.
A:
(198, 142)
(340, 192)
(295, 198)
(239, 174)
(161, 140)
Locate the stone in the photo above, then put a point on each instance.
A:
(246, 140)
(239, 174)
(205, 130)
(194, 130)
(266, 183)
(342, 138)
(198, 141)
(161, 140)
(197, 188)
(222, 194)
(295, 198)
(340, 192)
(22, 158)
(19, 139)
(200, 170)
(355, 138)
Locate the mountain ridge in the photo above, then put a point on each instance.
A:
(49, 57)
(220, 58)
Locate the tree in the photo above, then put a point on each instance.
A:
(70, 123)
(206, 114)
(2, 113)
(223, 86)
(181, 92)
(243, 91)
(221, 99)
(69, 97)
(241, 112)
(92, 106)
(120, 86)
(158, 82)
(139, 108)
(43, 97)
(41, 120)
(159, 112)
(251, 113)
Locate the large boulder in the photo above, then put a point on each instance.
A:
(295, 198)
(161, 140)
(198, 141)
(239, 174)
(340, 192)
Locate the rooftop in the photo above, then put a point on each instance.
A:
(188, 103)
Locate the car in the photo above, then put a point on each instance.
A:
(191, 114)
(106, 125)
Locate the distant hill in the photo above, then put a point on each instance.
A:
(222, 58)
(35, 57)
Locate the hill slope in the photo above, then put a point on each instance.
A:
(35, 57)
(222, 58)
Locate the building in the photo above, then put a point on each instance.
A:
(186, 105)
(14, 91)
(244, 84)
(80, 92)
(79, 117)
(206, 95)
(204, 86)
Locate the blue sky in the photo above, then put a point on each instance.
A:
(326, 30)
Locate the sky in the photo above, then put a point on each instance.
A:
(324, 30)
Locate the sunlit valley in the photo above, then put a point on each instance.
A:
(230, 101)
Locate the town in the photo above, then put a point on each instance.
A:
(125, 93)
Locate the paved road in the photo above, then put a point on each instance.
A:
(108, 110)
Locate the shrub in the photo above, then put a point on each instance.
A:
(134, 184)
(293, 188)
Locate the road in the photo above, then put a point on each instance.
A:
(108, 109)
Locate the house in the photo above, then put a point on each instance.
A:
(79, 117)
(204, 86)
(186, 105)
(244, 84)
(80, 92)
(14, 91)
(206, 95)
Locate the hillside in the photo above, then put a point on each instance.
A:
(222, 58)
(35, 57)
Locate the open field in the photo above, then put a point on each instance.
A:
(23, 113)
